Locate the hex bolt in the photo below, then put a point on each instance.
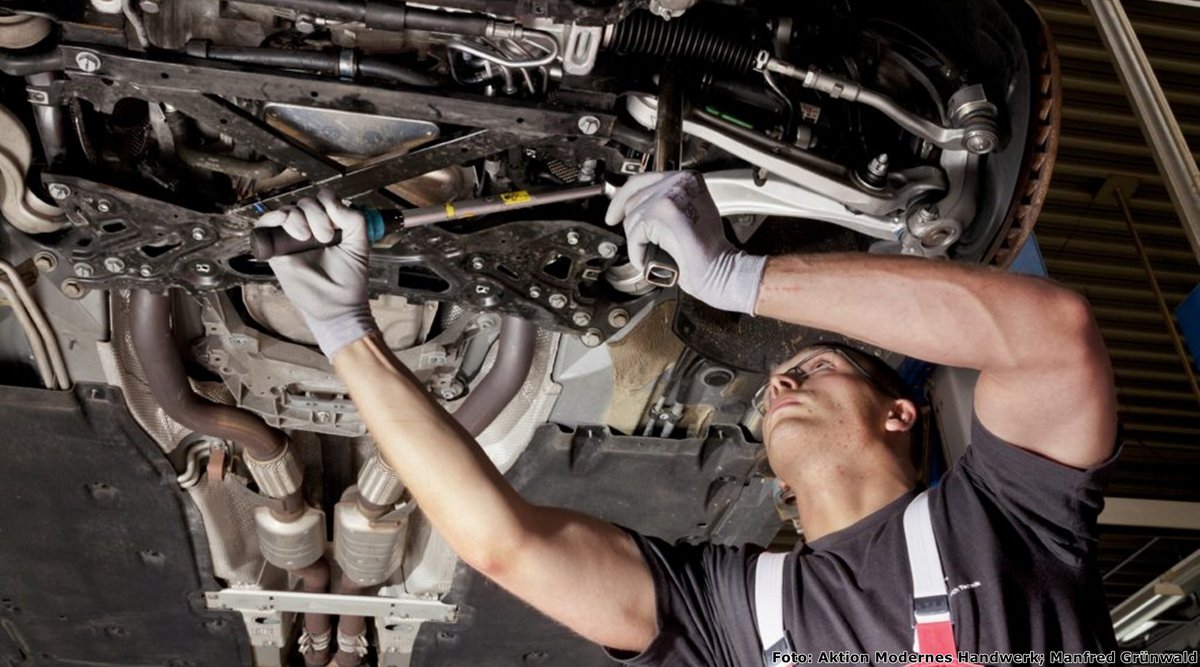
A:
(618, 318)
(452, 390)
(323, 417)
(607, 249)
(104, 206)
(83, 270)
(45, 261)
(145, 271)
(928, 212)
(878, 167)
(589, 124)
(535, 292)
(305, 24)
(199, 233)
(114, 264)
(477, 263)
(87, 61)
(580, 318)
(557, 300)
(572, 238)
(483, 289)
(202, 267)
(58, 191)
(72, 289)
(590, 338)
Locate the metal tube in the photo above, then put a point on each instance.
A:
(315, 579)
(1168, 320)
(150, 325)
(350, 628)
(1171, 153)
(513, 359)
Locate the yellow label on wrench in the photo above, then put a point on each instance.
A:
(518, 197)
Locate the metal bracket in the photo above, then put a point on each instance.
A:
(393, 610)
(736, 192)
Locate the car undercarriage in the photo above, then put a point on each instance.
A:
(142, 140)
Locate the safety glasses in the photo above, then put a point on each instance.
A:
(821, 360)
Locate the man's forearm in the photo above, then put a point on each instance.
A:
(943, 312)
(445, 470)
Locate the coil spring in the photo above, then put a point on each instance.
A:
(688, 38)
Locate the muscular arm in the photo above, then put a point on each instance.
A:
(584, 573)
(1045, 383)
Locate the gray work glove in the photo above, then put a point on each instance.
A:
(674, 211)
(327, 285)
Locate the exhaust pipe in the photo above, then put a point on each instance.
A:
(292, 539)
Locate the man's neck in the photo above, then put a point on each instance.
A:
(834, 504)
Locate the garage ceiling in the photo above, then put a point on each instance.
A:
(1086, 244)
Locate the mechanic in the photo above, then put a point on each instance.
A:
(1014, 521)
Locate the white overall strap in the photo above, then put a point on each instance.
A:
(768, 604)
(923, 560)
(931, 600)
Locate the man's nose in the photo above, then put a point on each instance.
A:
(780, 383)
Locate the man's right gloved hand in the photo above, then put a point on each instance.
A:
(674, 211)
(327, 285)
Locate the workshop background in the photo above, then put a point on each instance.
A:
(1087, 238)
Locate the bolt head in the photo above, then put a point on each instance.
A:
(477, 263)
(557, 301)
(145, 271)
(104, 206)
(72, 289)
(58, 191)
(45, 261)
(323, 417)
(928, 213)
(607, 249)
(572, 238)
(114, 264)
(981, 143)
(88, 62)
(149, 6)
(535, 292)
(580, 318)
(618, 318)
(199, 233)
(83, 270)
(483, 289)
(202, 267)
(589, 124)
(590, 338)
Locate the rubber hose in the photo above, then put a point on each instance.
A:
(689, 37)
(376, 68)
(31, 63)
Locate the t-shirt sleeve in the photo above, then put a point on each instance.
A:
(1058, 503)
(701, 601)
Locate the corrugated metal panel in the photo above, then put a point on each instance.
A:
(1087, 245)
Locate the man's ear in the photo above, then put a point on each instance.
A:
(902, 415)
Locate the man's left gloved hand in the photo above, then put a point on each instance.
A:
(674, 211)
(327, 285)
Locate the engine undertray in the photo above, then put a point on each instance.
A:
(104, 559)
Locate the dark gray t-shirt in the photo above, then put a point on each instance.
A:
(1017, 536)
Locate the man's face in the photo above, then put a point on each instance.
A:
(818, 405)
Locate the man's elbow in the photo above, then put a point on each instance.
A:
(1079, 336)
(496, 553)
(1061, 330)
